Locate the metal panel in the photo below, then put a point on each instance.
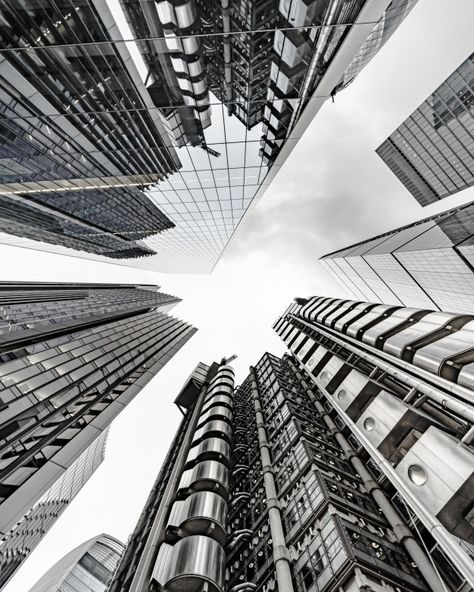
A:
(380, 417)
(191, 564)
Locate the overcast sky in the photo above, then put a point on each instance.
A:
(332, 191)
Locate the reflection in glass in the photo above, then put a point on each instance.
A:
(142, 132)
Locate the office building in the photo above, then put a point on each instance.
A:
(73, 356)
(431, 152)
(22, 539)
(88, 568)
(400, 382)
(264, 488)
(143, 132)
(426, 264)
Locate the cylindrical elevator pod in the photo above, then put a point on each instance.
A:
(193, 559)
(209, 449)
(190, 565)
(203, 513)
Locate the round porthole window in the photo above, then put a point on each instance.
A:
(341, 394)
(324, 377)
(369, 424)
(311, 362)
(417, 475)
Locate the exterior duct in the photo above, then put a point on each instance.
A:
(192, 557)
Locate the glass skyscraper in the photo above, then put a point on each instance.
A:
(142, 132)
(22, 539)
(432, 151)
(426, 264)
(73, 356)
(88, 568)
(266, 487)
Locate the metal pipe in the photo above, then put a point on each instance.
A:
(156, 534)
(397, 368)
(446, 541)
(281, 555)
(397, 523)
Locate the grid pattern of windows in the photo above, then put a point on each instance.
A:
(144, 135)
(88, 568)
(428, 264)
(431, 152)
(25, 536)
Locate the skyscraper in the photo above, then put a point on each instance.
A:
(88, 568)
(426, 264)
(400, 381)
(73, 356)
(264, 488)
(431, 152)
(117, 139)
(22, 539)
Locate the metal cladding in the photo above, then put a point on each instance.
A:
(192, 556)
(396, 381)
(438, 342)
(294, 503)
(72, 357)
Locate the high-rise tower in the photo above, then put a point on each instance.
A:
(431, 152)
(72, 357)
(426, 264)
(265, 489)
(88, 568)
(17, 544)
(117, 138)
(400, 381)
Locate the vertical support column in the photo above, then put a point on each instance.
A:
(281, 554)
(156, 536)
(192, 552)
(396, 522)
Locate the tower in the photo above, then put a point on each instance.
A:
(399, 381)
(73, 356)
(88, 568)
(431, 151)
(263, 488)
(427, 264)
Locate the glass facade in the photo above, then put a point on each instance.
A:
(73, 356)
(16, 545)
(88, 568)
(427, 264)
(143, 133)
(431, 152)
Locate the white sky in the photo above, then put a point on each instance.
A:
(332, 191)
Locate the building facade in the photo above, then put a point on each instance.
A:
(431, 152)
(117, 139)
(88, 568)
(264, 488)
(400, 382)
(73, 356)
(16, 545)
(426, 264)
